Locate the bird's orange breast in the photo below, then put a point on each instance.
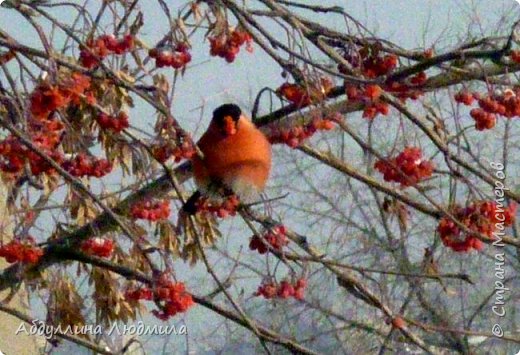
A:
(244, 157)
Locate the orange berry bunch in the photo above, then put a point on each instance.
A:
(151, 210)
(295, 93)
(295, 135)
(113, 123)
(46, 134)
(302, 95)
(373, 64)
(47, 98)
(14, 155)
(96, 50)
(164, 152)
(85, 165)
(506, 103)
(25, 251)
(370, 96)
(483, 120)
(227, 45)
(44, 128)
(283, 290)
(228, 207)
(177, 58)
(173, 297)
(479, 217)
(173, 142)
(408, 168)
(371, 61)
(275, 238)
(97, 246)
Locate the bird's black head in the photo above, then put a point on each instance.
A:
(221, 112)
(226, 118)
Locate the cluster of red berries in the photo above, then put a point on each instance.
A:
(295, 93)
(176, 58)
(479, 217)
(24, 251)
(174, 295)
(373, 64)
(282, 290)
(275, 238)
(173, 141)
(77, 87)
(506, 103)
(295, 135)
(370, 61)
(14, 155)
(465, 97)
(96, 50)
(302, 95)
(113, 123)
(44, 128)
(47, 98)
(227, 207)
(483, 120)
(85, 165)
(165, 151)
(97, 246)
(408, 168)
(151, 210)
(369, 95)
(227, 45)
(46, 135)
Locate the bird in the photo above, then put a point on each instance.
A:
(236, 158)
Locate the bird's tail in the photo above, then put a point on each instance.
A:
(190, 206)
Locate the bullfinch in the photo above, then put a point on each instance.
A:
(236, 158)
